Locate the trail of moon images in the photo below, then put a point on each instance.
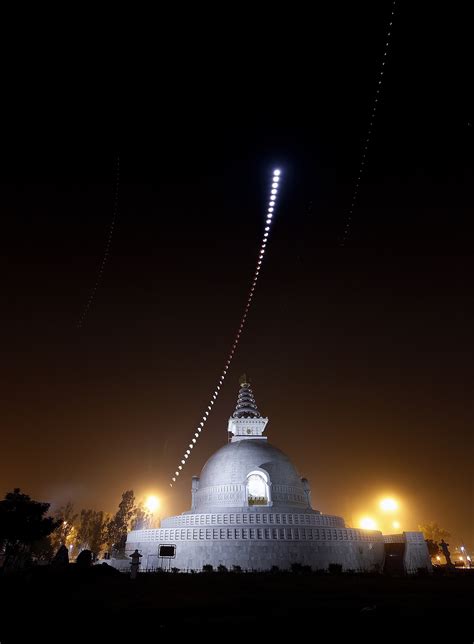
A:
(106, 251)
(366, 141)
(263, 247)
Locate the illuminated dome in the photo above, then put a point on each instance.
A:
(224, 478)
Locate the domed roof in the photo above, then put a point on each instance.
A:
(232, 463)
(226, 479)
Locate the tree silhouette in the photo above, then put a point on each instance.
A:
(22, 523)
(66, 532)
(92, 531)
(433, 547)
(42, 550)
(432, 532)
(141, 518)
(119, 525)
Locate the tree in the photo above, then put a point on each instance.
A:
(433, 535)
(433, 547)
(22, 522)
(432, 532)
(92, 530)
(141, 519)
(42, 550)
(120, 523)
(66, 532)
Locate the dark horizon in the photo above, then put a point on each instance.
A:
(359, 355)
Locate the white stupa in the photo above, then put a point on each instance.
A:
(251, 509)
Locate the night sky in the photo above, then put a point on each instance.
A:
(360, 355)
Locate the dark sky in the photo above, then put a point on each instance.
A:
(361, 356)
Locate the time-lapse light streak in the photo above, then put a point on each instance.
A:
(268, 221)
(106, 251)
(365, 143)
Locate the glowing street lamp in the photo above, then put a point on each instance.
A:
(152, 504)
(396, 525)
(368, 524)
(388, 505)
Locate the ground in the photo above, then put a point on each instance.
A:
(39, 605)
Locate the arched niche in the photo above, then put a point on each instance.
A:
(258, 488)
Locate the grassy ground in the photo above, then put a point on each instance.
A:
(100, 601)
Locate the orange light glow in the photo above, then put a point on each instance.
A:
(388, 505)
(152, 504)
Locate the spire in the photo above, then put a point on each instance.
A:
(246, 421)
(246, 406)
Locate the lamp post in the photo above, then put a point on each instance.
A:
(468, 558)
